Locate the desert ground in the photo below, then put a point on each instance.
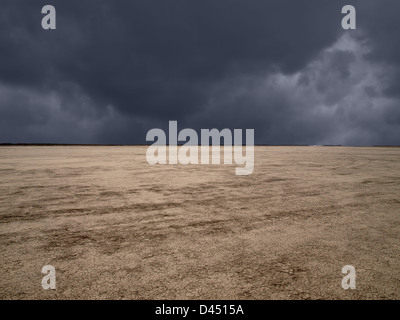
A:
(115, 227)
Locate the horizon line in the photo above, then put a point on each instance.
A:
(5, 144)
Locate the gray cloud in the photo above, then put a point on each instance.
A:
(114, 69)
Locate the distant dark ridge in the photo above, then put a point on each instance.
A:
(127, 145)
(143, 145)
(117, 145)
(281, 145)
(70, 144)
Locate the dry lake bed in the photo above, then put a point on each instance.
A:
(115, 227)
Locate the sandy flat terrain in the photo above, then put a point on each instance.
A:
(115, 227)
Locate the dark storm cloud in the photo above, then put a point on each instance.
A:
(114, 69)
(382, 25)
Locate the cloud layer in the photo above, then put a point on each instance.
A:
(112, 70)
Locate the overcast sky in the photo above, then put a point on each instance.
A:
(112, 70)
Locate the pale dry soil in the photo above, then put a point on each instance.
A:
(115, 227)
